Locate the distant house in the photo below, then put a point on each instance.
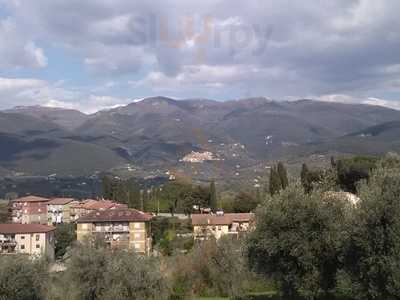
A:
(120, 228)
(58, 210)
(32, 239)
(29, 210)
(80, 209)
(221, 224)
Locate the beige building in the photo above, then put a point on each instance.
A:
(32, 239)
(120, 228)
(29, 210)
(206, 226)
(58, 211)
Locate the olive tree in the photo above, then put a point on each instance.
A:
(22, 278)
(298, 241)
(373, 252)
(96, 272)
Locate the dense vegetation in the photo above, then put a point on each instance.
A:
(309, 243)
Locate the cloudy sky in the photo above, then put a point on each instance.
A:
(95, 54)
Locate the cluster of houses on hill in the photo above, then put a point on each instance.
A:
(34, 219)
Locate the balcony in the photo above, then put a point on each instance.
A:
(8, 242)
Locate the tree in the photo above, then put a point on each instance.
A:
(244, 202)
(275, 184)
(22, 278)
(350, 171)
(297, 242)
(95, 272)
(372, 254)
(305, 178)
(213, 196)
(211, 268)
(282, 175)
(64, 236)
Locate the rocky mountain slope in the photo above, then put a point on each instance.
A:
(158, 132)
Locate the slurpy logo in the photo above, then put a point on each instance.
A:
(202, 36)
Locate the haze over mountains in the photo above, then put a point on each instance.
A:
(157, 132)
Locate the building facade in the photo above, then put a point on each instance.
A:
(32, 239)
(29, 210)
(207, 226)
(120, 228)
(58, 211)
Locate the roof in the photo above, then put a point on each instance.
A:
(31, 199)
(90, 204)
(115, 215)
(225, 219)
(24, 228)
(60, 201)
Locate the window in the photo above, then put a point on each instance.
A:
(84, 226)
(219, 228)
(137, 225)
(37, 237)
(137, 235)
(137, 246)
(22, 247)
(22, 237)
(37, 246)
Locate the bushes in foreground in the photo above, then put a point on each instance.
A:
(316, 246)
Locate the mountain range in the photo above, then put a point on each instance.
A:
(155, 134)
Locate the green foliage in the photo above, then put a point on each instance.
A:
(94, 272)
(4, 212)
(123, 191)
(245, 202)
(298, 241)
(373, 251)
(211, 269)
(351, 170)
(22, 278)
(166, 235)
(213, 196)
(282, 175)
(275, 184)
(323, 180)
(64, 236)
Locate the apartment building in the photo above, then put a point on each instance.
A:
(31, 239)
(217, 225)
(80, 209)
(58, 210)
(120, 228)
(29, 210)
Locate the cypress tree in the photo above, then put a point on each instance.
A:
(275, 184)
(213, 196)
(305, 178)
(283, 175)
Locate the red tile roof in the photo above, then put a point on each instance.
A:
(115, 215)
(225, 219)
(60, 201)
(24, 228)
(31, 199)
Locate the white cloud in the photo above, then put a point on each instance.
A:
(27, 92)
(274, 48)
(16, 50)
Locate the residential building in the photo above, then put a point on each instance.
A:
(80, 209)
(120, 228)
(32, 239)
(221, 224)
(58, 210)
(29, 210)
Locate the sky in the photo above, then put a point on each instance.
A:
(96, 54)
